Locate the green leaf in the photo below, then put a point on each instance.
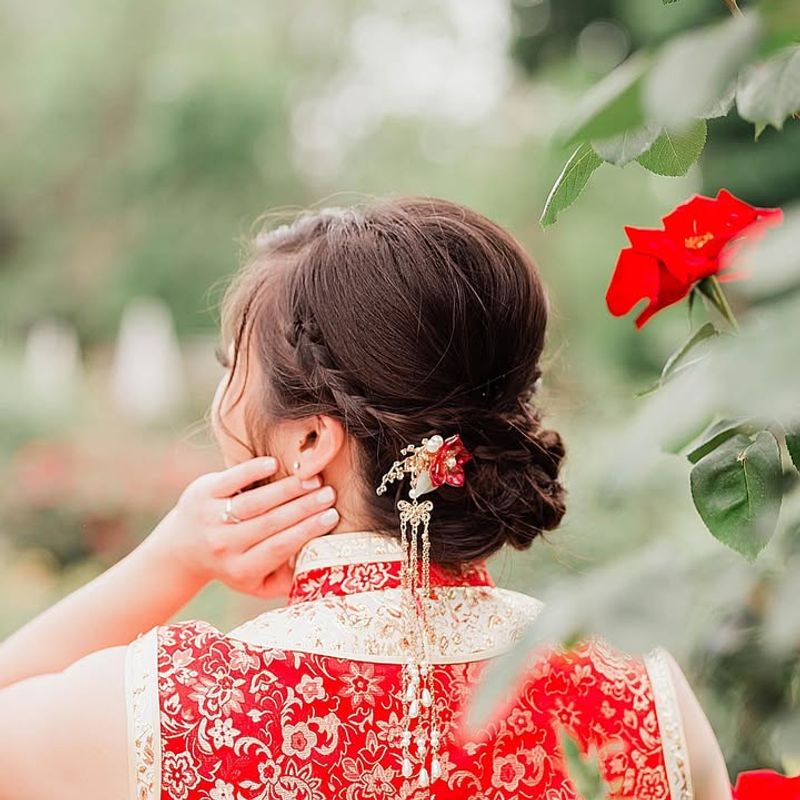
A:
(737, 490)
(677, 358)
(693, 72)
(769, 92)
(610, 106)
(793, 446)
(721, 106)
(584, 771)
(673, 153)
(570, 183)
(782, 20)
(624, 148)
(717, 433)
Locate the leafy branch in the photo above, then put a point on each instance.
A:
(653, 109)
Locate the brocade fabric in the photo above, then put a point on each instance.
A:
(303, 701)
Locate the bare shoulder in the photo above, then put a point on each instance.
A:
(709, 774)
(64, 734)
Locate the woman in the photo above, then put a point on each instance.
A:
(351, 334)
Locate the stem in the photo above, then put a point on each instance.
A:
(721, 301)
(733, 7)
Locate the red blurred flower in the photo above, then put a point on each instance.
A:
(697, 241)
(764, 784)
(447, 465)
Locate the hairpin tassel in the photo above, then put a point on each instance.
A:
(429, 465)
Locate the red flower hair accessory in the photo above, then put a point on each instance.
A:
(446, 464)
(696, 242)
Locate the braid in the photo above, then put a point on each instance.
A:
(515, 437)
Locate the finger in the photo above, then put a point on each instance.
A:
(232, 480)
(255, 502)
(256, 529)
(277, 583)
(267, 555)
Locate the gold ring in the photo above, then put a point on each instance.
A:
(228, 516)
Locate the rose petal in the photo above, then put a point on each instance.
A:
(670, 291)
(636, 277)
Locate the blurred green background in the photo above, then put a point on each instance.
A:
(143, 140)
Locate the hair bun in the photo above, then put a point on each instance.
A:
(514, 482)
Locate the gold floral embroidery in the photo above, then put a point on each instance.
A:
(470, 623)
(144, 740)
(339, 549)
(307, 726)
(673, 739)
(304, 700)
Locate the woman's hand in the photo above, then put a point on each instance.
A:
(255, 554)
(191, 546)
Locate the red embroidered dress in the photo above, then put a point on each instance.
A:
(303, 701)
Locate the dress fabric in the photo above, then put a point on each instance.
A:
(304, 701)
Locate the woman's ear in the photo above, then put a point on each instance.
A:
(322, 440)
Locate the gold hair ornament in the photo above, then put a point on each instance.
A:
(433, 463)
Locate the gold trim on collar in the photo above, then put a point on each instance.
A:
(470, 623)
(351, 547)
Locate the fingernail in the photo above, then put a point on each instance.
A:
(311, 483)
(270, 463)
(325, 495)
(329, 517)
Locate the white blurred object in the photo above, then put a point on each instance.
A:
(52, 366)
(147, 374)
(445, 60)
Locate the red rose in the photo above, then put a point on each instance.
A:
(764, 784)
(447, 464)
(695, 243)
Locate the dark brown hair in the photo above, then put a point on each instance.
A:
(403, 318)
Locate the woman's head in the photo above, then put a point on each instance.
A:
(357, 331)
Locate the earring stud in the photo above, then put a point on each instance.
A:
(296, 466)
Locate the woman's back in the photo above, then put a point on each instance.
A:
(305, 701)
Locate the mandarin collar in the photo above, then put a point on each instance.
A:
(358, 561)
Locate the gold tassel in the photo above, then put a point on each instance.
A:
(420, 722)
